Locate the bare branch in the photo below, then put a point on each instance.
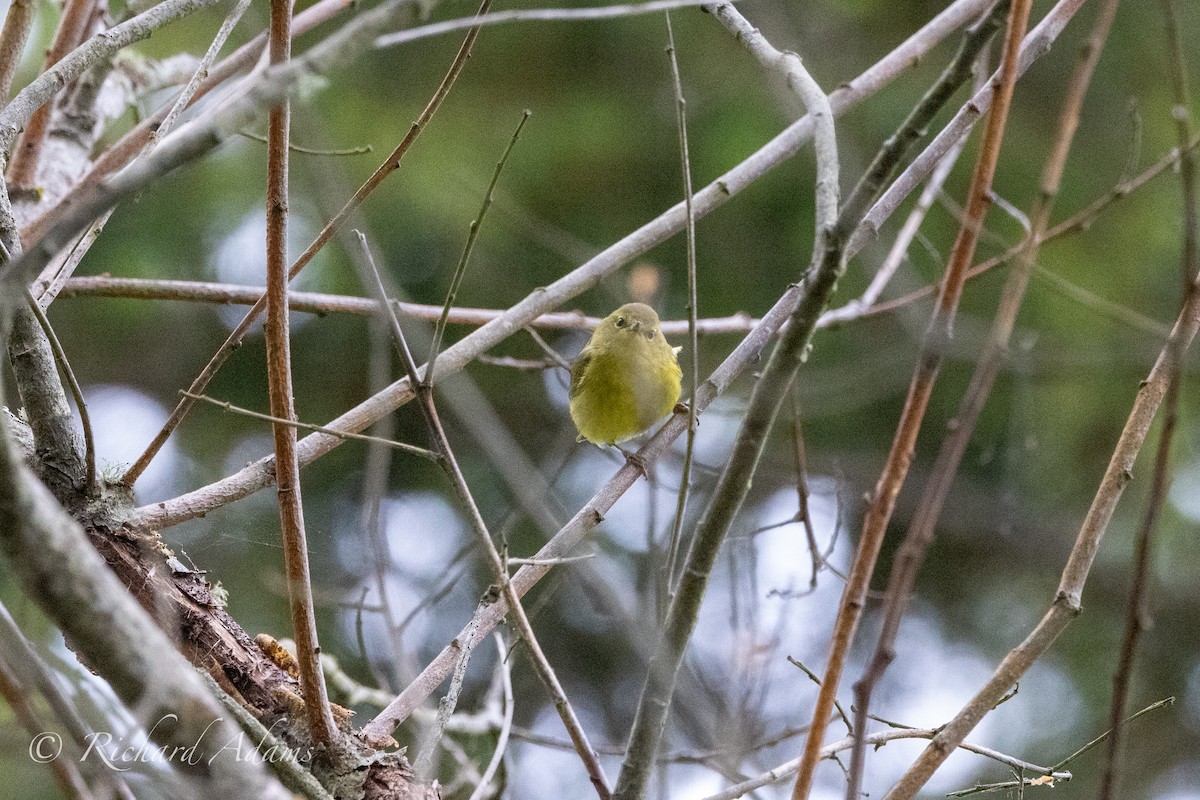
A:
(1137, 615)
(533, 15)
(900, 455)
(17, 24)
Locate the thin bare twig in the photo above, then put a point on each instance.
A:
(423, 765)
(685, 477)
(440, 327)
(321, 304)
(1077, 223)
(313, 151)
(17, 24)
(481, 791)
(877, 740)
(533, 15)
(361, 437)
(1062, 765)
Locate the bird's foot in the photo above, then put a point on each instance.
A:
(683, 408)
(636, 461)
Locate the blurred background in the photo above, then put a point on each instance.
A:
(599, 158)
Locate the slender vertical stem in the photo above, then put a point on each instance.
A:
(439, 328)
(685, 477)
(279, 374)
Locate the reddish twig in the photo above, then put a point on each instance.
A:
(279, 380)
(1066, 605)
(17, 23)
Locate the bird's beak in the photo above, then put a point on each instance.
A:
(635, 326)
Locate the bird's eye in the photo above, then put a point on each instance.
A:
(650, 335)
(620, 322)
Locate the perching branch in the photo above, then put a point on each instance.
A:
(379, 729)
(732, 487)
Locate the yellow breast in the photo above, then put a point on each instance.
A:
(623, 391)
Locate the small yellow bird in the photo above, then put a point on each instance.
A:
(626, 378)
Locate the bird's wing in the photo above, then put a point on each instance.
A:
(578, 367)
